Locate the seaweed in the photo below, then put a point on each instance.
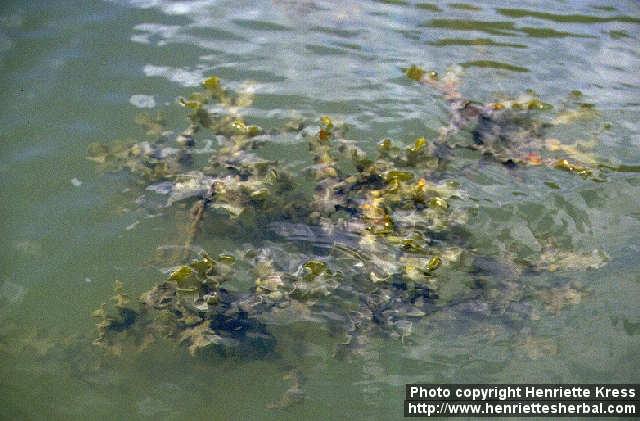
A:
(360, 240)
(513, 130)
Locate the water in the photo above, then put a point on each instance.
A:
(76, 72)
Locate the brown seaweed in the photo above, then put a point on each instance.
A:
(382, 225)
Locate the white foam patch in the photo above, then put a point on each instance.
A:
(182, 76)
(143, 101)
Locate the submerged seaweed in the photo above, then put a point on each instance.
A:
(356, 241)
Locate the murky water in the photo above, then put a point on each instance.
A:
(78, 72)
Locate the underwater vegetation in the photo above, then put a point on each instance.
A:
(358, 242)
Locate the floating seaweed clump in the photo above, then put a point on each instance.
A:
(513, 130)
(357, 240)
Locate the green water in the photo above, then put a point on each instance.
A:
(72, 74)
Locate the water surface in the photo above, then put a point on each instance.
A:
(78, 72)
